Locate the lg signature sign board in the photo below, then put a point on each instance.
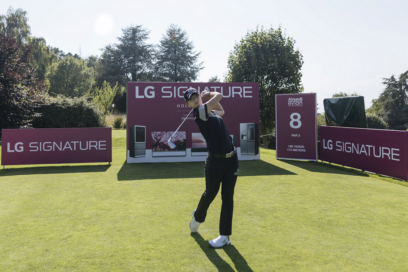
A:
(375, 150)
(156, 110)
(56, 145)
(296, 126)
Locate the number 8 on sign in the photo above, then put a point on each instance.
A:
(295, 117)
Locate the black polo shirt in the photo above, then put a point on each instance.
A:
(213, 129)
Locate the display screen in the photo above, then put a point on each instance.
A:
(251, 133)
(160, 141)
(140, 134)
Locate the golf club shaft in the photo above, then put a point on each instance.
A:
(181, 124)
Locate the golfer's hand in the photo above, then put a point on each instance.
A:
(205, 95)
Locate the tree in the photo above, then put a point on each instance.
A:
(43, 57)
(103, 97)
(375, 108)
(71, 77)
(136, 55)
(109, 67)
(214, 79)
(341, 94)
(20, 92)
(394, 102)
(269, 58)
(58, 52)
(129, 60)
(15, 24)
(176, 60)
(91, 61)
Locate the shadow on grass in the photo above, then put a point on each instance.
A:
(180, 170)
(239, 262)
(53, 170)
(321, 167)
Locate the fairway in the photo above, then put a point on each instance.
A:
(288, 215)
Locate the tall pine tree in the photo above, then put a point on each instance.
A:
(176, 59)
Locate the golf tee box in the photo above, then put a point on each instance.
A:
(156, 110)
(56, 145)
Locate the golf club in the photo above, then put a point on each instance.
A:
(169, 142)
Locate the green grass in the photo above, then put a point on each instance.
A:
(289, 215)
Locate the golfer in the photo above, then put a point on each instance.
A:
(221, 165)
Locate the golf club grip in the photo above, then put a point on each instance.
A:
(181, 124)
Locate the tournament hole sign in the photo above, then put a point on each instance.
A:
(296, 126)
(156, 110)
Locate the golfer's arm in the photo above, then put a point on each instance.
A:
(219, 110)
(215, 99)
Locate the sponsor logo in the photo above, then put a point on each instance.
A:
(295, 102)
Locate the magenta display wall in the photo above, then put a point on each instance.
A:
(375, 150)
(160, 107)
(296, 126)
(56, 145)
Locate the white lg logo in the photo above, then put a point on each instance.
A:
(295, 117)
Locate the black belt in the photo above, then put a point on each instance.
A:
(228, 155)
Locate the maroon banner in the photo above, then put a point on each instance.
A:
(375, 150)
(156, 110)
(296, 126)
(56, 145)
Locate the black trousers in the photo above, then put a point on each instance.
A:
(219, 171)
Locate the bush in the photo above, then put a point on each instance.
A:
(64, 112)
(117, 122)
(271, 141)
(124, 125)
(375, 121)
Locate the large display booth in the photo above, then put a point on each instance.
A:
(156, 110)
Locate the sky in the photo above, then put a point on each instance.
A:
(347, 46)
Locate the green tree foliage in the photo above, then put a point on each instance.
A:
(103, 97)
(375, 108)
(71, 77)
(214, 79)
(65, 112)
(341, 94)
(20, 92)
(394, 102)
(91, 61)
(15, 24)
(321, 121)
(44, 57)
(176, 60)
(129, 60)
(137, 56)
(109, 67)
(375, 121)
(270, 58)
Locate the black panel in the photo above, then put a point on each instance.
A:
(140, 135)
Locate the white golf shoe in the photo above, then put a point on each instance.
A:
(220, 241)
(194, 224)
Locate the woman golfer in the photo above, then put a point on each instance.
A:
(221, 166)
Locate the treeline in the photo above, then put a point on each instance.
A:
(390, 109)
(35, 77)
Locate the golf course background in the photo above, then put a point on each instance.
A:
(288, 215)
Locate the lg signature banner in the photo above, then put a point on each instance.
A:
(374, 150)
(296, 126)
(56, 145)
(155, 111)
